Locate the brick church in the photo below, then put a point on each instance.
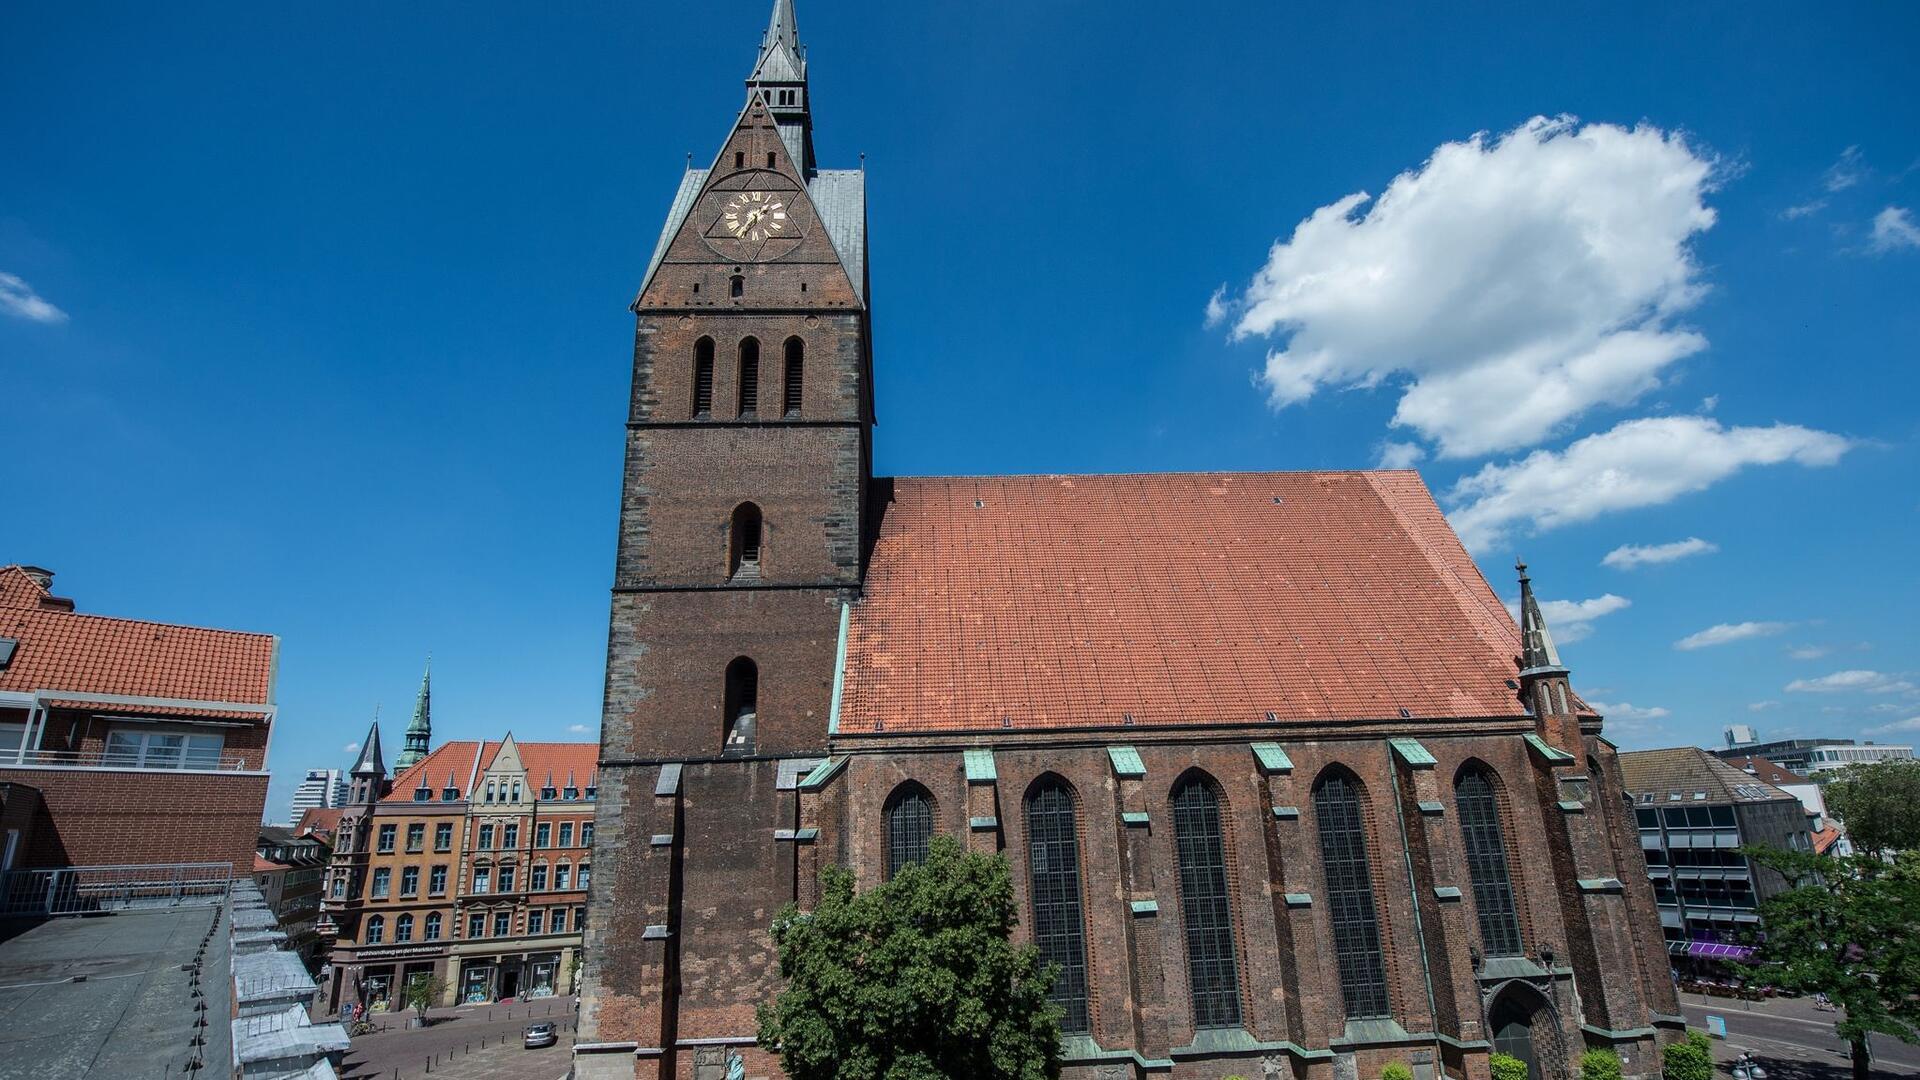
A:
(1285, 790)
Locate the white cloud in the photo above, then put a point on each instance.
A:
(1628, 556)
(1762, 706)
(350, 748)
(578, 729)
(1512, 283)
(1893, 229)
(1217, 310)
(1572, 620)
(1727, 633)
(1629, 712)
(1709, 403)
(1398, 455)
(1847, 171)
(1857, 681)
(1804, 209)
(18, 299)
(1808, 652)
(1912, 723)
(1638, 463)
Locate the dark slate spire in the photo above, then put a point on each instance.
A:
(780, 79)
(370, 763)
(1536, 641)
(420, 732)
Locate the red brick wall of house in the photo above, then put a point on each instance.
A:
(102, 817)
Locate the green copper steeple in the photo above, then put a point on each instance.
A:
(420, 732)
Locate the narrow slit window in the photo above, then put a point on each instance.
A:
(741, 707)
(795, 383)
(744, 536)
(749, 376)
(1205, 906)
(738, 286)
(703, 377)
(769, 159)
(1356, 925)
(739, 159)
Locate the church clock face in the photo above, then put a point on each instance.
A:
(755, 216)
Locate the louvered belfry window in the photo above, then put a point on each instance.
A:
(795, 377)
(749, 376)
(1487, 864)
(1212, 975)
(1053, 856)
(909, 827)
(703, 377)
(1356, 926)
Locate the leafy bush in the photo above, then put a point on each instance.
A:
(1508, 1067)
(1599, 1065)
(1396, 1070)
(1689, 1060)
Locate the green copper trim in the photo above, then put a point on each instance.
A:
(1552, 755)
(1432, 807)
(1286, 813)
(979, 765)
(1133, 818)
(1411, 752)
(1299, 899)
(822, 773)
(983, 824)
(1272, 758)
(1573, 806)
(1447, 892)
(839, 669)
(1146, 907)
(1601, 885)
(1126, 762)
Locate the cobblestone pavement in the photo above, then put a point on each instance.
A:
(472, 1042)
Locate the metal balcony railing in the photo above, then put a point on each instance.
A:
(82, 890)
(121, 759)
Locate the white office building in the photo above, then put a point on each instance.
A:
(323, 789)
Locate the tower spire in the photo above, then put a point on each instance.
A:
(780, 79)
(419, 737)
(1536, 641)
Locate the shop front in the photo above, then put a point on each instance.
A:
(375, 979)
(513, 975)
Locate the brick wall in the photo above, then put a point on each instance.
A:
(101, 817)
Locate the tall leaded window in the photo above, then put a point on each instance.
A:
(909, 827)
(1212, 975)
(703, 376)
(1356, 927)
(1053, 858)
(1487, 863)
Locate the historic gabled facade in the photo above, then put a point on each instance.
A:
(1285, 789)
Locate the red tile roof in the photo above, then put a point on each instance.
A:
(1209, 598)
(324, 821)
(1766, 770)
(61, 650)
(1824, 840)
(466, 761)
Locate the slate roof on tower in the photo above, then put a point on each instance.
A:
(1030, 602)
(59, 649)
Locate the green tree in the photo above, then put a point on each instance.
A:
(423, 992)
(1396, 1070)
(917, 979)
(1846, 930)
(1507, 1067)
(1689, 1059)
(1599, 1065)
(1880, 805)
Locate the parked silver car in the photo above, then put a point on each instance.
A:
(540, 1036)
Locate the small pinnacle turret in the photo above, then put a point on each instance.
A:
(780, 79)
(1538, 653)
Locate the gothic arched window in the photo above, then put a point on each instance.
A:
(703, 377)
(793, 387)
(403, 928)
(1213, 976)
(743, 541)
(741, 706)
(1053, 863)
(433, 926)
(1473, 794)
(909, 826)
(376, 930)
(749, 376)
(1356, 926)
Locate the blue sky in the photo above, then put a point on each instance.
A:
(315, 323)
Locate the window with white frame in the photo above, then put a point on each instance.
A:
(147, 747)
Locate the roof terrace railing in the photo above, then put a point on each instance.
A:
(85, 890)
(147, 761)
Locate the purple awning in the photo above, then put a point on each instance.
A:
(1715, 950)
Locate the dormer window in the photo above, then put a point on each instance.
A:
(592, 792)
(423, 793)
(572, 793)
(451, 794)
(546, 792)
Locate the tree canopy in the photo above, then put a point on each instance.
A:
(1880, 805)
(917, 979)
(1846, 930)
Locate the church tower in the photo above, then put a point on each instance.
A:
(743, 536)
(419, 738)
